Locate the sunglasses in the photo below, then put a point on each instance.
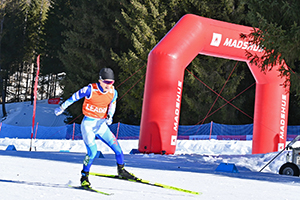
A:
(108, 82)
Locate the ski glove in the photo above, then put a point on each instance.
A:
(109, 120)
(59, 111)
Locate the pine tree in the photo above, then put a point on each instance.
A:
(21, 41)
(145, 23)
(120, 35)
(90, 37)
(53, 36)
(278, 24)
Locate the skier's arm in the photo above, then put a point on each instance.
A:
(83, 92)
(112, 108)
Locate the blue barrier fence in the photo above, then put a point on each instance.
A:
(125, 132)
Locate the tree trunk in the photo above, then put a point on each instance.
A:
(27, 82)
(32, 85)
(54, 85)
(1, 79)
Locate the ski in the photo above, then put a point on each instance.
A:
(138, 180)
(87, 188)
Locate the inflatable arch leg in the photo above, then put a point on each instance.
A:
(191, 36)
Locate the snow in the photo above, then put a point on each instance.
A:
(46, 172)
(20, 114)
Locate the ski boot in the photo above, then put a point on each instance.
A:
(125, 174)
(85, 179)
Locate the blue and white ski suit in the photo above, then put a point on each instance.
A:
(96, 127)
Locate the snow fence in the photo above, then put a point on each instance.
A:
(128, 132)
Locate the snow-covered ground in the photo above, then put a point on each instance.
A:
(46, 172)
(20, 114)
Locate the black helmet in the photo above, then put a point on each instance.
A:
(106, 73)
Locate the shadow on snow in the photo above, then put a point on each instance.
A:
(179, 163)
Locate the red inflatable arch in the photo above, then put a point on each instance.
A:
(194, 35)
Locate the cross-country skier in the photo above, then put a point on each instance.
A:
(98, 108)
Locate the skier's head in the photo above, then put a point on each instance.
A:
(106, 79)
(107, 76)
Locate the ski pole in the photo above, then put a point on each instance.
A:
(272, 160)
(286, 148)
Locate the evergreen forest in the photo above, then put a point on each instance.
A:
(75, 39)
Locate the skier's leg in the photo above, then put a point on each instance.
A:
(90, 156)
(109, 138)
(106, 136)
(88, 136)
